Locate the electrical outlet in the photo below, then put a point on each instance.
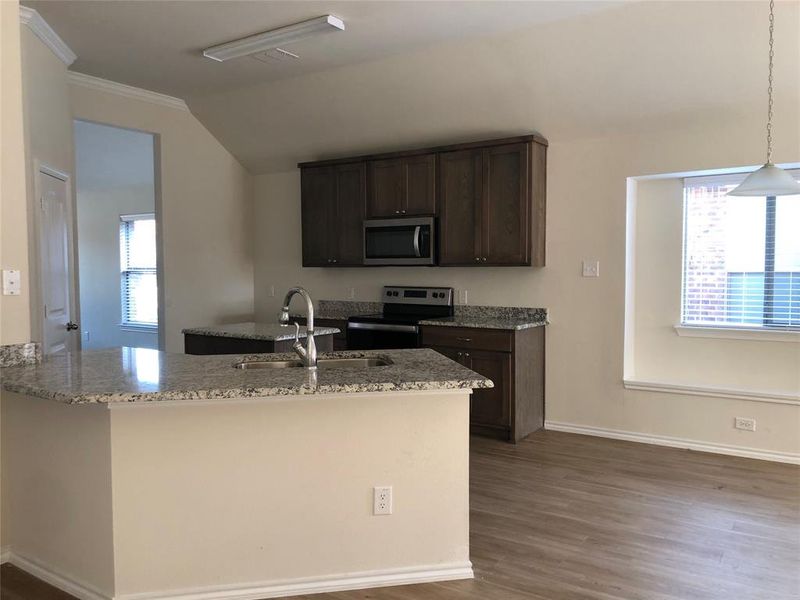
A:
(382, 500)
(744, 424)
(272, 291)
(591, 268)
(86, 336)
(11, 282)
(351, 293)
(462, 296)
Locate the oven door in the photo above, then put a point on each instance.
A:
(381, 336)
(399, 241)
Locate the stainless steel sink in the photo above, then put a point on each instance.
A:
(267, 364)
(351, 363)
(322, 363)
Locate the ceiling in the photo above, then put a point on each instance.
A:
(413, 74)
(157, 45)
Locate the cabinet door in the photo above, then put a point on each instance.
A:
(460, 214)
(451, 353)
(490, 406)
(419, 195)
(385, 197)
(506, 205)
(346, 242)
(317, 197)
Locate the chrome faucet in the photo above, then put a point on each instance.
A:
(309, 353)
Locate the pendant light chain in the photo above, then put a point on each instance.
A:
(769, 87)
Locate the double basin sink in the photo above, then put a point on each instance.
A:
(322, 363)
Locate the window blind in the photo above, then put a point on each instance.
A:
(138, 284)
(741, 256)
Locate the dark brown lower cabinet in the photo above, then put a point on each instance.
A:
(514, 361)
(211, 344)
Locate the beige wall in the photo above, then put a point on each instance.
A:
(14, 310)
(48, 142)
(165, 499)
(660, 354)
(312, 461)
(206, 213)
(56, 484)
(587, 186)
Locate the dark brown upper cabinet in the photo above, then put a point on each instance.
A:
(333, 200)
(401, 186)
(492, 205)
(489, 198)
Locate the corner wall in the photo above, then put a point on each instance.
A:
(15, 326)
(48, 142)
(206, 212)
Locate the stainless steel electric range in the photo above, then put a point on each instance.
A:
(398, 325)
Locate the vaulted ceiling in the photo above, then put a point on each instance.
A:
(406, 73)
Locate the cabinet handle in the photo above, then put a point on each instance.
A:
(463, 339)
(460, 354)
(403, 212)
(397, 212)
(484, 259)
(333, 260)
(477, 259)
(466, 354)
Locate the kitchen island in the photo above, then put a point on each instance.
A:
(251, 337)
(132, 473)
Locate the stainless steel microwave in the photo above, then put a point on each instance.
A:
(404, 241)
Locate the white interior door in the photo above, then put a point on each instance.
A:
(58, 331)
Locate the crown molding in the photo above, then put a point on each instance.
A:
(40, 28)
(112, 87)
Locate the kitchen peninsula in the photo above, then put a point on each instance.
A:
(172, 476)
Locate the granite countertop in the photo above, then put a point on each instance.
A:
(482, 317)
(144, 375)
(271, 332)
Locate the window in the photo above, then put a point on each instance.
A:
(137, 251)
(741, 257)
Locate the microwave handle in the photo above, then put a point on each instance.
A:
(417, 232)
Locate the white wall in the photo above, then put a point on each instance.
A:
(660, 354)
(114, 176)
(14, 310)
(49, 142)
(206, 213)
(643, 90)
(587, 186)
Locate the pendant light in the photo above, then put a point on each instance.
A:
(769, 180)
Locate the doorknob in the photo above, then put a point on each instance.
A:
(71, 326)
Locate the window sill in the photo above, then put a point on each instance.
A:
(139, 328)
(683, 389)
(739, 333)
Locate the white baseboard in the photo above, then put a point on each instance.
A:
(255, 591)
(315, 585)
(675, 442)
(56, 579)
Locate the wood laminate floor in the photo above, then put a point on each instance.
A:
(569, 517)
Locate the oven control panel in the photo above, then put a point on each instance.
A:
(432, 296)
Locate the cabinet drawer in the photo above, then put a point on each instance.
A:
(463, 337)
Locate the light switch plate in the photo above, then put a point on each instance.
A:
(12, 284)
(591, 268)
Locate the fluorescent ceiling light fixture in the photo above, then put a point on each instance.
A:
(274, 38)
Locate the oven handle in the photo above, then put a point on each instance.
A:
(417, 231)
(384, 327)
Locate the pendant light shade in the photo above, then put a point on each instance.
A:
(769, 180)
